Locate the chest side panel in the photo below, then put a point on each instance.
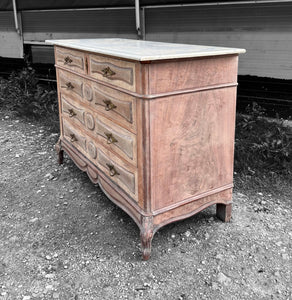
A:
(192, 144)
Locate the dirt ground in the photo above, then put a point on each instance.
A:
(61, 238)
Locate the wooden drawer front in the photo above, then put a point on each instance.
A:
(121, 175)
(72, 111)
(74, 136)
(111, 104)
(70, 84)
(117, 139)
(71, 59)
(114, 71)
(115, 105)
(120, 172)
(113, 137)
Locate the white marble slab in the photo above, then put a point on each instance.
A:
(143, 50)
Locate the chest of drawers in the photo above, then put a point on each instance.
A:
(151, 123)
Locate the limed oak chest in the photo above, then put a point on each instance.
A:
(151, 123)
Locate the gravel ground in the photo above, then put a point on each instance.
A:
(61, 238)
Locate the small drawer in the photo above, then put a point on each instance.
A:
(114, 71)
(74, 136)
(72, 111)
(71, 59)
(70, 84)
(122, 175)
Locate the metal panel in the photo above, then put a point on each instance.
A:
(39, 26)
(60, 4)
(42, 54)
(264, 30)
(11, 44)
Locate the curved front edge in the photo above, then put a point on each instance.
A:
(190, 209)
(82, 164)
(120, 200)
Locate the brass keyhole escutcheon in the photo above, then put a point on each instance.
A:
(73, 138)
(67, 60)
(110, 138)
(107, 72)
(112, 170)
(69, 86)
(109, 105)
(72, 113)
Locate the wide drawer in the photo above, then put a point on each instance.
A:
(111, 136)
(120, 172)
(117, 72)
(71, 59)
(115, 105)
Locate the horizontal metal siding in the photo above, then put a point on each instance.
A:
(39, 26)
(42, 54)
(7, 21)
(265, 31)
(10, 41)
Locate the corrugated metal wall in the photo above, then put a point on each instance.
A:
(265, 30)
(42, 25)
(11, 43)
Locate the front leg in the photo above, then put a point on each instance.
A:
(146, 235)
(223, 211)
(60, 152)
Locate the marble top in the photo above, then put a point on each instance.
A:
(143, 50)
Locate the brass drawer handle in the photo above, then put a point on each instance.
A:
(112, 170)
(69, 86)
(109, 105)
(72, 113)
(107, 72)
(110, 138)
(67, 60)
(73, 138)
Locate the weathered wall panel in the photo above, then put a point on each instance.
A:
(11, 44)
(42, 25)
(265, 31)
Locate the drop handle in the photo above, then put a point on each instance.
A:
(69, 86)
(107, 72)
(67, 60)
(73, 138)
(109, 105)
(110, 138)
(71, 112)
(112, 170)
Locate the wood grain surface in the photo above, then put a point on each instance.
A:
(192, 139)
(123, 72)
(188, 74)
(71, 59)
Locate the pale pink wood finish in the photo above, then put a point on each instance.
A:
(188, 74)
(192, 138)
(173, 122)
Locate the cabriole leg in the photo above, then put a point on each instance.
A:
(223, 211)
(60, 152)
(146, 235)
